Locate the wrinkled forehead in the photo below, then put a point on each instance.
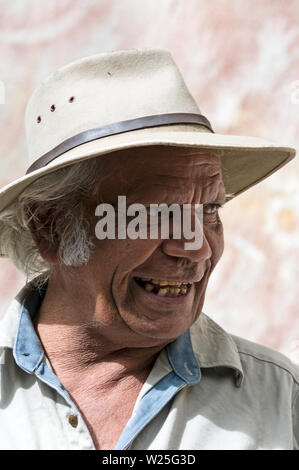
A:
(171, 159)
(145, 167)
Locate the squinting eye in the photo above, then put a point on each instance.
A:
(211, 208)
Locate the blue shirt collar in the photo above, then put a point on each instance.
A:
(28, 351)
(182, 359)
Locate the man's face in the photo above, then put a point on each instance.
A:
(155, 175)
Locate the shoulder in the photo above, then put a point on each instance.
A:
(259, 366)
(265, 359)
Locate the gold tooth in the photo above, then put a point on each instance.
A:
(177, 290)
(183, 290)
(162, 292)
(148, 287)
(163, 283)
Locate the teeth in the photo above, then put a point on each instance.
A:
(176, 289)
(149, 287)
(162, 292)
(164, 282)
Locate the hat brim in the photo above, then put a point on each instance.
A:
(245, 160)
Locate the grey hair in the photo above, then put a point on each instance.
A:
(61, 196)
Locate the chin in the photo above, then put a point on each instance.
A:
(163, 327)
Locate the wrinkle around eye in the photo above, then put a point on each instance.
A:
(212, 220)
(211, 183)
(214, 175)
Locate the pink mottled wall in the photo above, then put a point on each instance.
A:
(240, 59)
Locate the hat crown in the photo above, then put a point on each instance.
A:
(103, 89)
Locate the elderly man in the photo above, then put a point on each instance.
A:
(107, 347)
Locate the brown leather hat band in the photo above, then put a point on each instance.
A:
(118, 128)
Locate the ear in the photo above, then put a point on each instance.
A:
(41, 230)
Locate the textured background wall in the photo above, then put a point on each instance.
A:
(240, 59)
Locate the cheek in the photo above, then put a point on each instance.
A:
(124, 255)
(215, 238)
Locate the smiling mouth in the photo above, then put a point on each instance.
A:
(164, 288)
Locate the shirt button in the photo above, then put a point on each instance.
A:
(73, 420)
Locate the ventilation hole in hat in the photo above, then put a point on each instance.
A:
(53, 107)
(110, 74)
(38, 120)
(71, 99)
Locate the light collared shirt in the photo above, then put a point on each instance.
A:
(207, 390)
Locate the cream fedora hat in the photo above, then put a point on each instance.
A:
(130, 98)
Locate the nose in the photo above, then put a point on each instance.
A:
(175, 247)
